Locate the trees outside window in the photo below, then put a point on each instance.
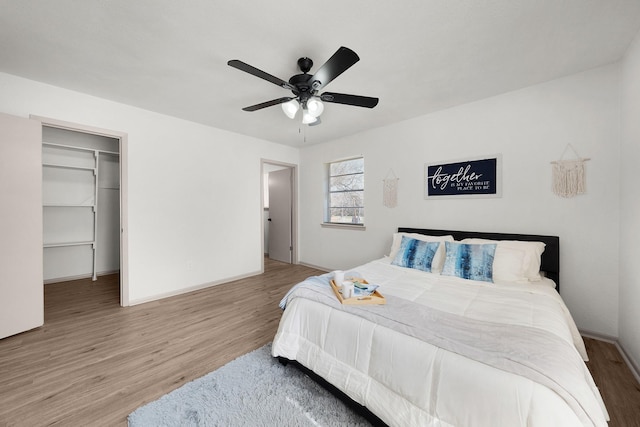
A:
(346, 192)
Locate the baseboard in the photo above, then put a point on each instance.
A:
(633, 367)
(81, 276)
(191, 289)
(598, 336)
(635, 370)
(314, 266)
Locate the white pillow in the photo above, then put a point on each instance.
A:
(515, 260)
(438, 258)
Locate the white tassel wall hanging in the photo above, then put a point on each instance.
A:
(390, 190)
(568, 176)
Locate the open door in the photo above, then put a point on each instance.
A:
(21, 285)
(280, 220)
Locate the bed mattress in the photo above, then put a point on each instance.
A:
(409, 376)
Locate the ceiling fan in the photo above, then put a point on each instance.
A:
(305, 87)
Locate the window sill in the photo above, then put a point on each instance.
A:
(346, 226)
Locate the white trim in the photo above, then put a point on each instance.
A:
(124, 190)
(294, 207)
(635, 370)
(315, 266)
(61, 124)
(327, 190)
(81, 276)
(192, 288)
(344, 226)
(600, 337)
(345, 159)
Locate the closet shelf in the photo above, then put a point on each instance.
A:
(66, 205)
(61, 244)
(74, 147)
(66, 162)
(71, 174)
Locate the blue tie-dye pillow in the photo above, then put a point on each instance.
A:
(469, 261)
(416, 254)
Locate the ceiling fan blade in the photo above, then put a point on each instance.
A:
(242, 66)
(341, 61)
(268, 104)
(343, 98)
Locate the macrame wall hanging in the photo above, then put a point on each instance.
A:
(390, 190)
(568, 176)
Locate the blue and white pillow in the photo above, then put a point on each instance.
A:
(416, 254)
(469, 261)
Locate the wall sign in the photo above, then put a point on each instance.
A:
(477, 177)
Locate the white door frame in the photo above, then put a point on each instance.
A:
(124, 187)
(294, 207)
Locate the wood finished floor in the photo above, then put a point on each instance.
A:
(94, 362)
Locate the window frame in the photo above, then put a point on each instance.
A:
(327, 202)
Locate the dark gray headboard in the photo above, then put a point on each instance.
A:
(550, 263)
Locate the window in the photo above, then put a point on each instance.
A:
(345, 204)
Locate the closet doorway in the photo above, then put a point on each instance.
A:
(82, 195)
(279, 211)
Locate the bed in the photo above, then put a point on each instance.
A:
(479, 336)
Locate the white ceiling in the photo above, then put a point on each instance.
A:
(417, 56)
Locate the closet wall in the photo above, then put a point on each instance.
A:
(81, 204)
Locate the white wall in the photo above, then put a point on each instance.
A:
(630, 205)
(181, 234)
(530, 128)
(193, 191)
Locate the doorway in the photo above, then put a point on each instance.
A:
(84, 199)
(81, 205)
(279, 211)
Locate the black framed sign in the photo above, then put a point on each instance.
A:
(476, 177)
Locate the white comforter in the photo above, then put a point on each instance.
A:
(407, 381)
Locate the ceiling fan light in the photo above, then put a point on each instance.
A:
(290, 108)
(307, 118)
(315, 107)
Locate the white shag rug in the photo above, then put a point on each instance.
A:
(252, 390)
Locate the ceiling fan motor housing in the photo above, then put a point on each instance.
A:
(301, 83)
